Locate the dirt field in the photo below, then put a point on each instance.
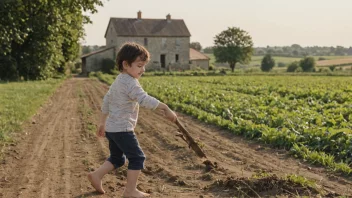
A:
(55, 151)
(334, 62)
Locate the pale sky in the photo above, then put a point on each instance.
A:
(269, 22)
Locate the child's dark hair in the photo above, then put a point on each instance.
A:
(130, 52)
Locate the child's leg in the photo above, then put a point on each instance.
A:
(132, 150)
(116, 160)
(96, 176)
(131, 186)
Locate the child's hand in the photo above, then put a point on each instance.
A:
(170, 115)
(101, 131)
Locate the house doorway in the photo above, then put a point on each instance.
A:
(162, 60)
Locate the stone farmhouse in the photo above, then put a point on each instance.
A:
(167, 40)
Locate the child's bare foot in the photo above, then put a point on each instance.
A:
(96, 182)
(135, 194)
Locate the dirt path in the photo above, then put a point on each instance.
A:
(57, 149)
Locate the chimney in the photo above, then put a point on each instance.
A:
(139, 15)
(168, 17)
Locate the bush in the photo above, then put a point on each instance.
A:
(8, 69)
(299, 69)
(292, 66)
(332, 68)
(211, 67)
(281, 64)
(322, 58)
(63, 67)
(267, 63)
(324, 70)
(307, 64)
(108, 65)
(78, 65)
(223, 72)
(75, 68)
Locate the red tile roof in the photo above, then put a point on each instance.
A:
(196, 55)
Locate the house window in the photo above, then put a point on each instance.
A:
(145, 41)
(177, 42)
(176, 58)
(163, 42)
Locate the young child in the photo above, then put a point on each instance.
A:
(119, 118)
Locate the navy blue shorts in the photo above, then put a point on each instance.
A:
(122, 145)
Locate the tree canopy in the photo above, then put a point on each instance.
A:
(196, 45)
(233, 46)
(38, 37)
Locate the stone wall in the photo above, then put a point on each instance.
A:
(110, 38)
(157, 46)
(203, 64)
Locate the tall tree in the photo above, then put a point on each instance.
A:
(233, 46)
(38, 37)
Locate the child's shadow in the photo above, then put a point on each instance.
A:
(88, 194)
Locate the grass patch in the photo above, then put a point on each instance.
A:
(19, 101)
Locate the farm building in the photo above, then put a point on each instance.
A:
(198, 59)
(167, 40)
(93, 61)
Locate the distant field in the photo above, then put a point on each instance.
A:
(256, 60)
(334, 62)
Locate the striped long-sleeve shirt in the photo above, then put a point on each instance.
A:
(122, 103)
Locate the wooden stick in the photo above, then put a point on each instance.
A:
(190, 141)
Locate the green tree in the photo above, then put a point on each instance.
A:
(196, 45)
(37, 38)
(292, 67)
(307, 64)
(267, 63)
(233, 46)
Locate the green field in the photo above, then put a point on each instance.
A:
(310, 116)
(256, 60)
(19, 101)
